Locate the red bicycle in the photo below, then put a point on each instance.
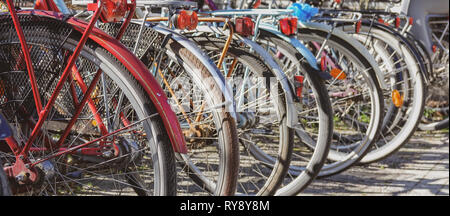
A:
(86, 116)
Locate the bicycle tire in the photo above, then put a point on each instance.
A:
(314, 83)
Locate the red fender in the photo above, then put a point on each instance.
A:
(138, 70)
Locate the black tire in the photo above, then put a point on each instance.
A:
(276, 170)
(316, 152)
(49, 39)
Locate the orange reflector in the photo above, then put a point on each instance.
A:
(397, 98)
(94, 123)
(338, 74)
(185, 20)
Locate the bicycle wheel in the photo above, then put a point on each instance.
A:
(261, 118)
(129, 151)
(212, 163)
(355, 94)
(315, 130)
(5, 190)
(399, 64)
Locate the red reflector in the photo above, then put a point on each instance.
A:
(299, 85)
(411, 21)
(397, 22)
(245, 26)
(288, 26)
(358, 27)
(323, 64)
(383, 22)
(257, 4)
(337, 1)
(434, 48)
(185, 20)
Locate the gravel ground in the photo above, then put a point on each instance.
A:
(420, 168)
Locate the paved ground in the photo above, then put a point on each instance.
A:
(421, 168)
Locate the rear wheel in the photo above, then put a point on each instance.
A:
(315, 129)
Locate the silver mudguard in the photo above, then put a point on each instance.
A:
(343, 36)
(292, 118)
(207, 62)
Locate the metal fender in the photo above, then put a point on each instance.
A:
(229, 101)
(343, 36)
(138, 70)
(292, 118)
(305, 52)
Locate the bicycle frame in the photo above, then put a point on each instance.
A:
(137, 68)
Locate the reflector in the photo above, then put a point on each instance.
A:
(114, 10)
(185, 20)
(245, 26)
(397, 98)
(338, 74)
(288, 26)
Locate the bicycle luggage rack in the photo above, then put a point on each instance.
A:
(338, 16)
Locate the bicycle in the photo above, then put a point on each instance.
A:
(406, 75)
